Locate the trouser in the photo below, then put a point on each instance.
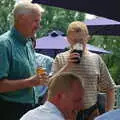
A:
(13, 110)
(88, 114)
(95, 110)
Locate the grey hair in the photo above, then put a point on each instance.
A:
(26, 8)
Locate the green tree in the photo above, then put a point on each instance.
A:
(58, 19)
(112, 60)
(5, 10)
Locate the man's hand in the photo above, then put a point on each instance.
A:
(39, 79)
(73, 57)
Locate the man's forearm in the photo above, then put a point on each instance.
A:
(12, 85)
(110, 99)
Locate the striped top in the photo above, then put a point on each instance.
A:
(93, 71)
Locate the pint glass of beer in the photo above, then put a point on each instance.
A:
(41, 70)
(77, 48)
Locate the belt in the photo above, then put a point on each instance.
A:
(90, 109)
(84, 114)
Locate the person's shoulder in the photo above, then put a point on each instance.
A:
(5, 36)
(43, 112)
(94, 55)
(111, 115)
(63, 53)
(5, 39)
(31, 115)
(43, 56)
(47, 57)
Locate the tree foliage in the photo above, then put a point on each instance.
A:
(58, 18)
(111, 43)
(5, 10)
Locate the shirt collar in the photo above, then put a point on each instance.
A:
(53, 108)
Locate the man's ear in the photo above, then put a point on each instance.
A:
(60, 95)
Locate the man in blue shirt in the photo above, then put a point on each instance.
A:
(111, 115)
(45, 62)
(17, 63)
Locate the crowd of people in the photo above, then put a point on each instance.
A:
(77, 75)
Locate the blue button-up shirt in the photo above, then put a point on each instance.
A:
(111, 115)
(45, 62)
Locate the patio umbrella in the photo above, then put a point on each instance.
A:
(104, 8)
(56, 41)
(103, 26)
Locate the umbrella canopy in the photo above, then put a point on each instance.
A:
(49, 42)
(104, 8)
(103, 26)
(95, 49)
(60, 42)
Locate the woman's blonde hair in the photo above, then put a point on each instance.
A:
(77, 27)
(78, 31)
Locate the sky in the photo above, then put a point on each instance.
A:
(90, 16)
(22, 0)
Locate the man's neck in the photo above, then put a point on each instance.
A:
(21, 30)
